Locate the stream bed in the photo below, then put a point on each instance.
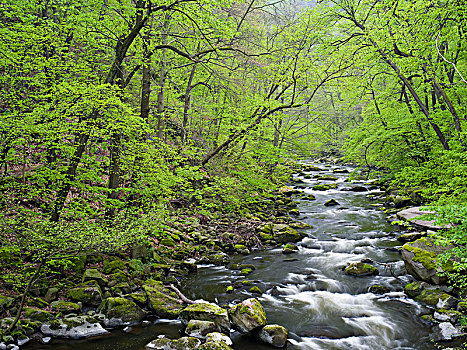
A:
(307, 292)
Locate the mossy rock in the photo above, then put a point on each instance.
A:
(248, 315)
(266, 228)
(255, 290)
(161, 300)
(88, 293)
(199, 329)
(378, 289)
(135, 265)
(274, 335)
(328, 177)
(299, 225)
(206, 312)
(218, 259)
(324, 187)
(37, 314)
(331, 202)
(289, 248)
(432, 296)
(113, 265)
(94, 275)
(246, 283)
(284, 234)
(64, 307)
(78, 263)
(168, 242)
(184, 343)
(421, 261)
(361, 269)
(413, 289)
(38, 302)
(122, 309)
(242, 266)
(140, 298)
(308, 197)
(242, 249)
(5, 303)
(265, 236)
(214, 345)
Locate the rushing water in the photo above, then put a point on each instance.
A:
(307, 292)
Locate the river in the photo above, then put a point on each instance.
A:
(307, 292)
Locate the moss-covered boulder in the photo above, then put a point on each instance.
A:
(184, 343)
(247, 316)
(37, 314)
(308, 197)
(434, 297)
(274, 335)
(64, 307)
(206, 312)
(214, 345)
(163, 301)
(200, 329)
(361, 269)
(88, 293)
(289, 248)
(218, 259)
(378, 289)
(5, 303)
(283, 233)
(331, 202)
(323, 187)
(121, 312)
(73, 327)
(140, 298)
(94, 275)
(328, 177)
(288, 191)
(255, 290)
(242, 249)
(421, 261)
(413, 289)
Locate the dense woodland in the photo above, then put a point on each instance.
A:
(118, 117)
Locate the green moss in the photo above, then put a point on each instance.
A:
(113, 265)
(256, 290)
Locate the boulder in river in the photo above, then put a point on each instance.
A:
(206, 312)
(73, 327)
(288, 191)
(331, 202)
(361, 269)
(121, 312)
(289, 248)
(420, 259)
(283, 233)
(200, 329)
(184, 343)
(161, 300)
(274, 335)
(248, 315)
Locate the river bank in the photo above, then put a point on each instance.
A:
(246, 238)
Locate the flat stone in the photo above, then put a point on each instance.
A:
(75, 328)
(411, 214)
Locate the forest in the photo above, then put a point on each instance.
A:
(122, 119)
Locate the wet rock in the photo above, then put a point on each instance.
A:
(206, 312)
(410, 236)
(288, 191)
(357, 188)
(255, 290)
(121, 312)
(248, 315)
(74, 327)
(88, 293)
(299, 225)
(274, 335)
(340, 171)
(328, 177)
(434, 296)
(445, 331)
(200, 329)
(23, 339)
(214, 345)
(361, 269)
(323, 187)
(240, 248)
(415, 288)
(447, 315)
(308, 197)
(331, 202)
(218, 259)
(94, 275)
(184, 343)
(216, 337)
(289, 248)
(420, 259)
(294, 212)
(377, 289)
(64, 307)
(284, 233)
(161, 300)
